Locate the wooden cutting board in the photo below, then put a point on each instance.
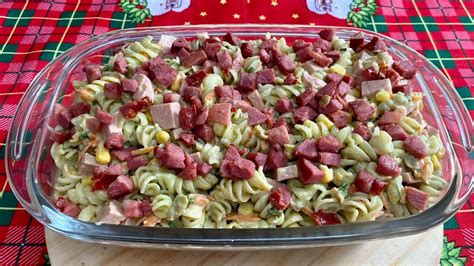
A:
(422, 249)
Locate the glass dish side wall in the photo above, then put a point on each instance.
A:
(30, 169)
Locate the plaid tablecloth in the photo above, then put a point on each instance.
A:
(32, 33)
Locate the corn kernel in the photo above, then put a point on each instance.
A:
(162, 137)
(86, 181)
(325, 120)
(435, 161)
(328, 174)
(149, 117)
(336, 68)
(382, 96)
(246, 208)
(176, 83)
(102, 155)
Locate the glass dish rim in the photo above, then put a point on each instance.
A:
(239, 237)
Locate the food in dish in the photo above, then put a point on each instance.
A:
(227, 133)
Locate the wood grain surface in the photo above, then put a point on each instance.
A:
(421, 249)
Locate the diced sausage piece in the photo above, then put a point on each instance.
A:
(173, 157)
(283, 105)
(327, 34)
(190, 91)
(203, 169)
(110, 129)
(190, 170)
(416, 198)
(78, 109)
(329, 143)
(280, 197)
(395, 131)
(304, 113)
(208, 66)
(328, 89)
(196, 78)
(305, 54)
(136, 161)
(132, 208)
(331, 106)
(364, 181)
(307, 150)
(187, 139)
(64, 118)
(242, 169)
(112, 213)
(232, 153)
(370, 88)
(67, 207)
(246, 50)
(375, 45)
(415, 146)
(388, 166)
(226, 91)
(114, 141)
(322, 45)
(237, 104)
(112, 90)
(120, 64)
(60, 136)
(211, 49)
(322, 60)
(92, 72)
(171, 97)
(363, 130)
(204, 132)
(343, 88)
(405, 89)
(405, 68)
(231, 39)
(304, 98)
(334, 55)
(266, 76)
(220, 113)
(180, 43)
(276, 158)
(285, 64)
(129, 85)
(324, 218)
(300, 44)
(187, 118)
(104, 176)
(278, 135)
(248, 82)
(348, 79)
(202, 117)
(329, 158)
(308, 173)
(287, 172)
(183, 54)
(195, 58)
(377, 187)
(104, 117)
(257, 158)
(224, 60)
(166, 115)
(290, 79)
(144, 89)
(122, 186)
(256, 117)
(363, 110)
(93, 125)
(256, 100)
(161, 72)
(265, 57)
(356, 40)
(122, 155)
(270, 44)
(392, 117)
(333, 77)
(340, 118)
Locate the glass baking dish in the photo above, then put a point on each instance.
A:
(30, 168)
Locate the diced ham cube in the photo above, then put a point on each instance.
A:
(87, 164)
(114, 141)
(363, 130)
(329, 90)
(327, 34)
(195, 58)
(300, 44)
(415, 146)
(166, 42)
(270, 44)
(343, 88)
(226, 91)
(285, 64)
(304, 98)
(112, 213)
(283, 105)
(129, 85)
(180, 43)
(256, 100)
(276, 158)
(307, 150)
(287, 172)
(256, 117)
(202, 117)
(203, 169)
(304, 113)
(246, 50)
(183, 54)
(136, 162)
(329, 158)
(363, 110)
(224, 60)
(231, 39)
(278, 135)
(416, 198)
(308, 173)
(93, 72)
(371, 87)
(144, 89)
(388, 166)
(257, 158)
(110, 129)
(80, 108)
(364, 181)
(212, 47)
(280, 197)
(329, 107)
(248, 82)
(322, 60)
(93, 125)
(333, 77)
(220, 113)
(235, 167)
(265, 76)
(334, 55)
(171, 97)
(232, 153)
(104, 117)
(305, 54)
(132, 208)
(405, 68)
(340, 118)
(191, 91)
(395, 131)
(187, 139)
(173, 157)
(329, 143)
(112, 91)
(356, 40)
(122, 186)
(67, 207)
(120, 64)
(322, 45)
(404, 88)
(375, 45)
(392, 117)
(166, 115)
(161, 72)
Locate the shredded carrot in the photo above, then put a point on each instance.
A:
(143, 151)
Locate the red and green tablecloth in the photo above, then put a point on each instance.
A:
(34, 32)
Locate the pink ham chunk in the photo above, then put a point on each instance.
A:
(132, 208)
(87, 164)
(256, 100)
(67, 207)
(144, 89)
(416, 198)
(104, 117)
(278, 135)
(112, 213)
(120, 187)
(287, 172)
(220, 113)
(370, 88)
(308, 173)
(256, 117)
(392, 117)
(173, 157)
(166, 115)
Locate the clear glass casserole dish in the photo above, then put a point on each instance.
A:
(31, 170)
